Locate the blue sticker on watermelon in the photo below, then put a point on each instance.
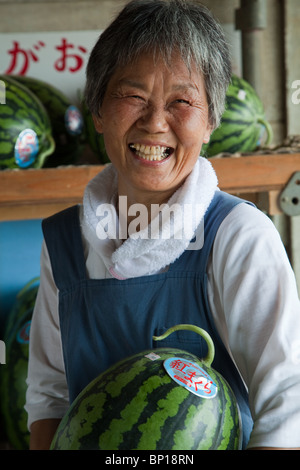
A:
(73, 120)
(26, 148)
(191, 376)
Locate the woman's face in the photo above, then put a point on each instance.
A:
(154, 119)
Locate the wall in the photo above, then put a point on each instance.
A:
(55, 15)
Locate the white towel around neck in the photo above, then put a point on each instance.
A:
(152, 249)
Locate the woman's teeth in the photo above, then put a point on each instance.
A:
(151, 152)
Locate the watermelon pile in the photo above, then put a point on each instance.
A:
(66, 121)
(161, 399)
(25, 129)
(243, 127)
(14, 373)
(39, 126)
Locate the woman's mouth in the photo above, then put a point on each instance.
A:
(151, 152)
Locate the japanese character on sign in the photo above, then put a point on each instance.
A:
(70, 58)
(61, 63)
(24, 55)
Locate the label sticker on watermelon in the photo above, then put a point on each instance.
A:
(152, 356)
(191, 376)
(23, 333)
(26, 148)
(242, 94)
(73, 120)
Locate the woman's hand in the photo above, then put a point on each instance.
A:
(42, 433)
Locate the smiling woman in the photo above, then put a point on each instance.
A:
(156, 86)
(162, 122)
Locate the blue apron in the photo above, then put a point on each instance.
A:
(105, 320)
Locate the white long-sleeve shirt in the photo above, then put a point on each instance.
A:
(255, 305)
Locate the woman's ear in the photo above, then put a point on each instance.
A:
(207, 135)
(98, 123)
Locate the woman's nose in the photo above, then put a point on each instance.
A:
(154, 119)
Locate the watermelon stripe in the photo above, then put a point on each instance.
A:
(229, 438)
(116, 384)
(157, 420)
(6, 113)
(236, 122)
(193, 426)
(6, 139)
(18, 101)
(130, 416)
(231, 143)
(49, 95)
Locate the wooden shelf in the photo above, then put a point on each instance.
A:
(37, 193)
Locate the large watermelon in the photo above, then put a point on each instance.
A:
(243, 127)
(25, 130)
(94, 139)
(161, 399)
(14, 373)
(66, 121)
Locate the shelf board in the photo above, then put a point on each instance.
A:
(37, 193)
(256, 173)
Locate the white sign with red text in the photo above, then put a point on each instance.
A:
(59, 58)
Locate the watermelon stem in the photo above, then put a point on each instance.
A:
(269, 130)
(211, 348)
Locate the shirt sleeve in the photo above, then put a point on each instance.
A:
(255, 304)
(47, 392)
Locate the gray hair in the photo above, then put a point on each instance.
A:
(162, 27)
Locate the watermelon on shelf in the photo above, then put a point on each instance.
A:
(243, 127)
(160, 399)
(66, 121)
(25, 129)
(14, 373)
(93, 138)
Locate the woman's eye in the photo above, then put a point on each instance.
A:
(137, 97)
(182, 101)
